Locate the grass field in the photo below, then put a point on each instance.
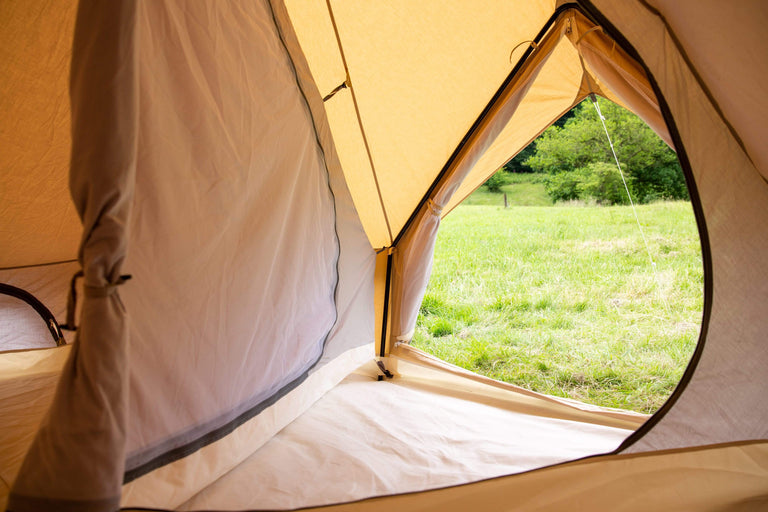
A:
(564, 299)
(521, 190)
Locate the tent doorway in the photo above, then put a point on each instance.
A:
(565, 298)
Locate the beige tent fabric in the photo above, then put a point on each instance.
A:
(419, 74)
(421, 430)
(208, 465)
(27, 382)
(430, 368)
(709, 479)
(21, 327)
(79, 450)
(226, 232)
(735, 41)
(733, 195)
(38, 223)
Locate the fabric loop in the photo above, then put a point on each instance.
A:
(72, 302)
(533, 44)
(597, 27)
(106, 290)
(435, 208)
(407, 337)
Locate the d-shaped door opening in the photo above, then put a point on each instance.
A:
(549, 279)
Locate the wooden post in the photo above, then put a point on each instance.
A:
(505, 200)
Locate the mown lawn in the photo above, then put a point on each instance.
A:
(564, 299)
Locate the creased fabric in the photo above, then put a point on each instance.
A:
(76, 459)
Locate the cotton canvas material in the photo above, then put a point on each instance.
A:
(271, 175)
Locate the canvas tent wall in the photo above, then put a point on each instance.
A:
(276, 241)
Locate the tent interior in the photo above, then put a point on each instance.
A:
(235, 204)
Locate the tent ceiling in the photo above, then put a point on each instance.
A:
(421, 73)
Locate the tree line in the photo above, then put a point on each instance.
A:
(576, 158)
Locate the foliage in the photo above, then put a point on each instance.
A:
(597, 181)
(649, 163)
(518, 163)
(563, 186)
(602, 182)
(496, 181)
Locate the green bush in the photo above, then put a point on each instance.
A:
(663, 181)
(598, 181)
(495, 182)
(602, 182)
(563, 186)
(580, 141)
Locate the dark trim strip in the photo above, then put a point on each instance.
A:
(291, 61)
(44, 312)
(595, 15)
(72, 302)
(385, 315)
(211, 437)
(486, 111)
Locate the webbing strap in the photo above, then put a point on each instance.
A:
(72, 303)
(89, 291)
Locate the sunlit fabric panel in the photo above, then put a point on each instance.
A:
(38, 223)
(421, 74)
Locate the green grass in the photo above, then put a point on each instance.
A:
(564, 300)
(521, 190)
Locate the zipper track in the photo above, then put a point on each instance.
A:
(591, 12)
(586, 8)
(387, 288)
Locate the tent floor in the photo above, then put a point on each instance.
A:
(369, 438)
